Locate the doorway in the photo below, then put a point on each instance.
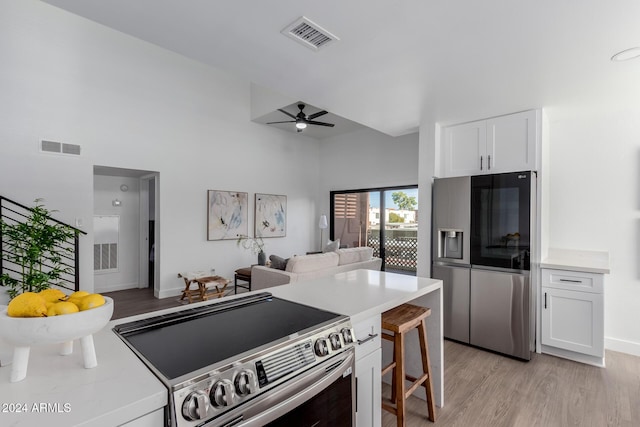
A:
(385, 219)
(149, 231)
(130, 196)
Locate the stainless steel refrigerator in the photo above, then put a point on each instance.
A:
(482, 228)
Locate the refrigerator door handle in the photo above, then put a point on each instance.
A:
(545, 300)
(481, 162)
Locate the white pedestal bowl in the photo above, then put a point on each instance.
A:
(24, 332)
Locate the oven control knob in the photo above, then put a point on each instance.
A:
(321, 347)
(245, 383)
(335, 342)
(221, 393)
(195, 406)
(347, 335)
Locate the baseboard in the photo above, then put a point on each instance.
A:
(572, 355)
(622, 346)
(168, 293)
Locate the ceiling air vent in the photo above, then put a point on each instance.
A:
(59, 148)
(309, 33)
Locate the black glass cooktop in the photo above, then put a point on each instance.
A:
(185, 341)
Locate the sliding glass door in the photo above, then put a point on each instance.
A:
(385, 219)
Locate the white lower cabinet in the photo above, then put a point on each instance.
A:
(369, 389)
(573, 315)
(368, 378)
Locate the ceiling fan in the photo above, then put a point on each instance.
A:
(302, 120)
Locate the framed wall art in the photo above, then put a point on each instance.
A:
(271, 215)
(227, 215)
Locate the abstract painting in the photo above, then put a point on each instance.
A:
(227, 214)
(271, 215)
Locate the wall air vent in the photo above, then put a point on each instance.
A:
(59, 148)
(309, 33)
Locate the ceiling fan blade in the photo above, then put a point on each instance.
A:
(311, 122)
(288, 114)
(318, 114)
(288, 121)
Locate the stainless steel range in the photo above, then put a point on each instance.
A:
(251, 361)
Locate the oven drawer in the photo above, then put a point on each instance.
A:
(321, 396)
(367, 335)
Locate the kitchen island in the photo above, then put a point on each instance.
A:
(58, 391)
(363, 294)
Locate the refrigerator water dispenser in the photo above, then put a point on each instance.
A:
(450, 244)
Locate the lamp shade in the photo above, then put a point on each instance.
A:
(322, 224)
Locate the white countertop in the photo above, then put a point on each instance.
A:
(358, 294)
(577, 260)
(118, 390)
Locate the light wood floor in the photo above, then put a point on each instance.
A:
(485, 389)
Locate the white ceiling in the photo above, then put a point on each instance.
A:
(400, 62)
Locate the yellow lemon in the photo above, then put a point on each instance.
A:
(91, 301)
(28, 304)
(52, 295)
(77, 296)
(63, 307)
(51, 311)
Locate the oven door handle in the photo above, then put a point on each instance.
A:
(283, 399)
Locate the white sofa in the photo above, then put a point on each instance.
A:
(306, 267)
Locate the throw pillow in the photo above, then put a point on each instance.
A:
(332, 246)
(278, 262)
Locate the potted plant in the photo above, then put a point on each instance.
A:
(255, 244)
(36, 247)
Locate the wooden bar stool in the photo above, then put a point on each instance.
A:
(401, 320)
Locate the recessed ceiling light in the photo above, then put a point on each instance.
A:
(626, 54)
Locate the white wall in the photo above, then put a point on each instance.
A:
(429, 155)
(132, 105)
(594, 202)
(366, 159)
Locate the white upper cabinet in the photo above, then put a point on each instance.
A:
(501, 144)
(465, 148)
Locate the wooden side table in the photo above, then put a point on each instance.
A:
(208, 287)
(243, 274)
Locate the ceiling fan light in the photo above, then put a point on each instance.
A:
(301, 125)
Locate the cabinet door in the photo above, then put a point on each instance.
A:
(573, 321)
(369, 390)
(464, 149)
(511, 143)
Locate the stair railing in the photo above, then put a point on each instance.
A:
(68, 259)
